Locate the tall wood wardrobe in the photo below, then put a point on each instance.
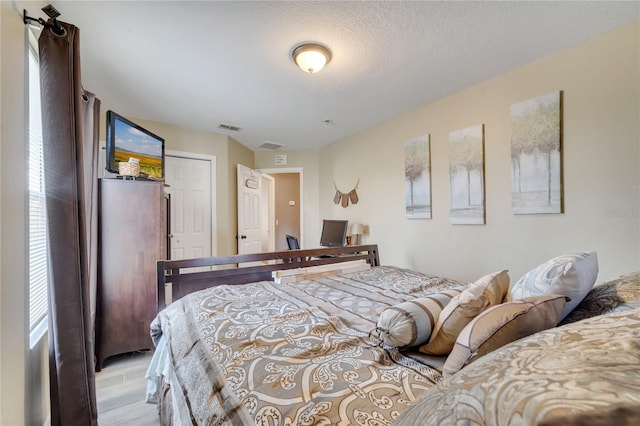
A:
(133, 235)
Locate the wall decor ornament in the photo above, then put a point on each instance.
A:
(417, 175)
(344, 198)
(466, 175)
(536, 155)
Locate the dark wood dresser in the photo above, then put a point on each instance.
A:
(132, 237)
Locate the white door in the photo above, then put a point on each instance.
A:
(189, 184)
(249, 208)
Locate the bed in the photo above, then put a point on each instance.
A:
(285, 353)
(289, 338)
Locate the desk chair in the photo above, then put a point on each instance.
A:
(292, 242)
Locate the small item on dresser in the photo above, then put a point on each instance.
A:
(130, 168)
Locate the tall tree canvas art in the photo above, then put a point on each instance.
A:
(536, 155)
(417, 174)
(466, 175)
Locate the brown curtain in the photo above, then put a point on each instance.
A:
(70, 137)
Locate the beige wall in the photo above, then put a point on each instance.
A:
(238, 154)
(600, 81)
(305, 161)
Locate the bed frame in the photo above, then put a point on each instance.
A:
(178, 276)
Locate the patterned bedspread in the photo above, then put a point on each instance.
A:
(293, 354)
(584, 373)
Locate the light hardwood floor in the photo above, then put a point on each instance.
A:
(120, 391)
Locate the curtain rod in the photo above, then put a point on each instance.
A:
(51, 13)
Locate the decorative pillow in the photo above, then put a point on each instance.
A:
(487, 291)
(571, 275)
(619, 294)
(410, 323)
(502, 324)
(588, 369)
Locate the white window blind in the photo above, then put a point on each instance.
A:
(38, 270)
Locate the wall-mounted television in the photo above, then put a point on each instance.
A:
(334, 233)
(125, 140)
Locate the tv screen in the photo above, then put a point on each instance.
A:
(126, 139)
(334, 233)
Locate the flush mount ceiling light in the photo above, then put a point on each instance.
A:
(311, 57)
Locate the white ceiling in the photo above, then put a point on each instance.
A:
(199, 64)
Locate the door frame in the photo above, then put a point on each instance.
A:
(299, 171)
(212, 163)
(269, 193)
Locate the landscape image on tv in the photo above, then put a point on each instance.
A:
(131, 142)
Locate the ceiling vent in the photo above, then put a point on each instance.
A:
(271, 145)
(229, 127)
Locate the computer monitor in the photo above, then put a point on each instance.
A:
(334, 233)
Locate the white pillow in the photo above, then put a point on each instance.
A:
(570, 275)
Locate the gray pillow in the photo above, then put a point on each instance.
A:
(502, 324)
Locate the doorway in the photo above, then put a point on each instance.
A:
(288, 205)
(260, 229)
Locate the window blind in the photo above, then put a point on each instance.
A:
(38, 270)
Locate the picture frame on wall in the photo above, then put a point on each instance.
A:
(536, 155)
(466, 176)
(417, 174)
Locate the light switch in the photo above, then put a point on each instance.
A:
(292, 203)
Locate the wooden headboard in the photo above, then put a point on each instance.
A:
(246, 268)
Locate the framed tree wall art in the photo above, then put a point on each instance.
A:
(417, 174)
(466, 175)
(536, 155)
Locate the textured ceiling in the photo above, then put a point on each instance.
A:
(200, 64)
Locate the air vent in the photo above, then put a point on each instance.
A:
(271, 145)
(229, 127)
